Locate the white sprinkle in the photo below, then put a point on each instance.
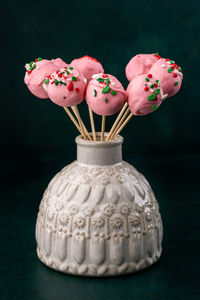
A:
(94, 76)
(27, 67)
(85, 80)
(151, 90)
(168, 62)
(45, 86)
(69, 79)
(176, 71)
(163, 66)
(159, 84)
(164, 97)
(113, 83)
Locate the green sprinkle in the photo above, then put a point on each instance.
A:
(67, 72)
(151, 97)
(157, 81)
(46, 81)
(156, 53)
(113, 93)
(147, 79)
(179, 68)
(172, 61)
(154, 107)
(152, 86)
(106, 90)
(100, 79)
(73, 78)
(39, 58)
(105, 100)
(107, 81)
(157, 91)
(95, 93)
(176, 83)
(70, 68)
(56, 82)
(170, 70)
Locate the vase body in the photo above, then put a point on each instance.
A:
(99, 215)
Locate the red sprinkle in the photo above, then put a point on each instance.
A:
(175, 66)
(59, 75)
(52, 82)
(167, 59)
(155, 85)
(77, 90)
(150, 75)
(70, 86)
(104, 75)
(102, 82)
(146, 88)
(57, 71)
(36, 60)
(29, 71)
(175, 74)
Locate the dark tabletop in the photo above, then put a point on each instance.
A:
(174, 180)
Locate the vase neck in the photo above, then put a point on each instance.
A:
(98, 152)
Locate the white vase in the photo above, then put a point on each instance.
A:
(99, 215)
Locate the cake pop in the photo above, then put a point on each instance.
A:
(105, 95)
(66, 86)
(145, 94)
(169, 74)
(87, 66)
(140, 64)
(36, 71)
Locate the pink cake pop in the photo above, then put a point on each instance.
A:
(105, 95)
(36, 72)
(169, 74)
(140, 64)
(87, 66)
(145, 94)
(59, 63)
(66, 86)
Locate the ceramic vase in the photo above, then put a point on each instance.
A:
(98, 215)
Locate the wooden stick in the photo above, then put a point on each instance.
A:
(116, 121)
(75, 110)
(122, 126)
(83, 125)
(92, 124)
(72, 118)
(103, 123)
(120, 122)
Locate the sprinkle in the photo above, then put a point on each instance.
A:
(163, 66)
(67, 72)
(113, 83)
(156, 53)
(176, 83)
(146, 88)
(70, 68)
(172, 61)
(95, 93)
(77, 90)
(150, 75)
(179, 68)
(157, 81)
(100, 79)
(73, 78)
(152, 86)
(154, 107)
(70, 86)
(147, 79)
(168, 62)
(56, 82)
(46, 81)
(39, 58)
(104, 75)
(155, 85)
(151, 90)
(106, 90)
(151, 97)
(105, 100)
(69, 79)
(175, 75)
(85, 80)
(113, 93)
(59, 75)
(170, 70)
(107, 81)
(157, 91)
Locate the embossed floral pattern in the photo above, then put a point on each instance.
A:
(58, 205)
(73, 209)
(148, 214)
(116, 221)
(98, 220)
(64, 218)
(87, 211)
(134, 219)
(51, 215)
(79, 221)
(107, 209)
(124, 209)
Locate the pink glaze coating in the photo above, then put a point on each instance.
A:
(140, 64)
(36, 72)
(59, 63)
(66, 86)
(87, 66)
(105, 95)
(145, 94)
(169, 74)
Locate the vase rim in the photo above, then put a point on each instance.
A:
(99, 144)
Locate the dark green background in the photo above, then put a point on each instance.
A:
(37, 138)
